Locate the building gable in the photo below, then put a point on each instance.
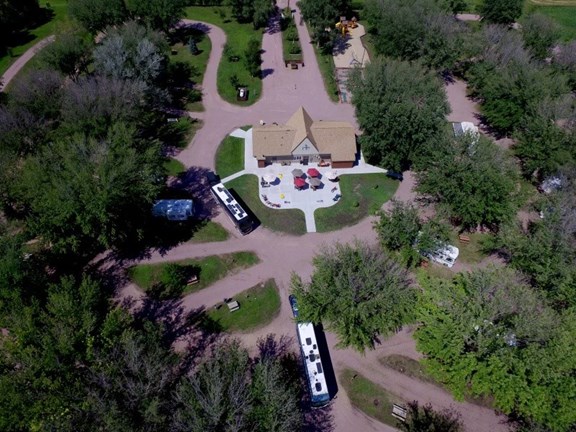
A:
(306, 147)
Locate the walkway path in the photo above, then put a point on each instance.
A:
(284, 90)
(13, 70)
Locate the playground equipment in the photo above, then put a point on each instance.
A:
(345, 26)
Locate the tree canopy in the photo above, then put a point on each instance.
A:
(489, 333)
(501, 11)
(360, 291)
(401, 108)
(473, 180)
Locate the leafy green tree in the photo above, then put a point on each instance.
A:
(565, 61)
(543, 147)
(83, 194)
(262, 11)
(415, 30)
(401, 108)
(157, 14)
(425, 419)
(275, 399)
(218, 396)
(242, 10)
(473, 180)
(252, 57)
(68, 54)
(488, 333)
(360, 291)
(540, 33)
(97, 15)
(322, 14)
(401, 229)
(501, 11)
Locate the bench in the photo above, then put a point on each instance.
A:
(193, 280)
(464, 238)
(399, 412)
(233, 305)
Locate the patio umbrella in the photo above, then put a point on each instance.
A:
(313, 172)
(315, 182)
(331, 175)
(299, 182)
(269, 177)
(297, 172)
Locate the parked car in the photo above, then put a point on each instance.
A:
(294, 305)
(394, 175)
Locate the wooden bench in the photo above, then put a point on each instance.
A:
(193, 280)
(399, 412)
(464, 238)
(233, 305)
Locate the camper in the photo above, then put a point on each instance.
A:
(174, 209)
(445, 255)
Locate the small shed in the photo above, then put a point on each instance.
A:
(174, 209)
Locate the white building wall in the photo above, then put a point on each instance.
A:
(305, 148)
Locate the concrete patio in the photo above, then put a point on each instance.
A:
(281, 194)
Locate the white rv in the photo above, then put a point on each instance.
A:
(445, 255)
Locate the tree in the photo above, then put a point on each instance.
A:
(540, 34)
(83, 193)
(131, 52)
(401, 108)
(218, 396)
(359, 291)
(15, 17)
(400, 229)
(473, 180)
(68, 54)
(417, 29)
(489, 333)
(157, 14)
(97, 15)
(252, 57)
(501, 11)
(262, 11)
(322, 14)
(425, 419)
(242, 10)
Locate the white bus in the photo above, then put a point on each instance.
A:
(241, 219)
(319, 395)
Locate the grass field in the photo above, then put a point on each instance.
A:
(368, 397)
(362, 195)
(198, 61)
(406, 366)
(210, 232)
(173, 167)
(258, 306)
(470, 253)
(287, 44)
(230, 156)
(209, 270)
(565, 16)
(237, 36)
(60, 9)
(289, 221)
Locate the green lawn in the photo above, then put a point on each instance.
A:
(406, 366)
(173, 167)
(210, 232)
(209, 269)
(289, 221)
(60, 9)
(237, 36)
(369, 397)
(288, 44)
(362, 195)
(565, 16)
(230, 156)
(470, 253)
(259, 305)
(198, 61)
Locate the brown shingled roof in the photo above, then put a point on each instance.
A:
(335, 138)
